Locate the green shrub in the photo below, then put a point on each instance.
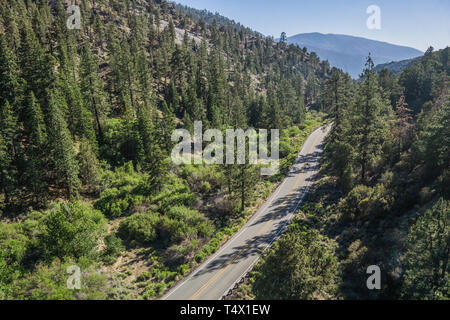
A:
(73, 229)
(211, 247)
(149, 292)
(363, 201)
(173, 231)
(301, 265)
(294, 131)
(140, 227)
(200, 256)
(160, 287)
(115, 203)
(174, 193)
(113, 248)
(122, 193)
(206, 187)
(170, 199)
(13, 243)
(355, 204)
(49, 282)
(201, 176)
(183, 252)
(183, 269)
(180, 223)
(192, 218)
(286, 148)
(144, 276)
(13, 250)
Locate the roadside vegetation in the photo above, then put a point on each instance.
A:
(381, 198)
(86, 177)
(86, 118)
(128, 244)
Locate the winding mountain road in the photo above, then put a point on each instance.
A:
(220, 273)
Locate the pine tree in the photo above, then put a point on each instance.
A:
(89, 165)
(241, 178)
(9, 74)
(61, 146)
(272, 114)
(390, 85)
(172, 98)
(34, 120)
(335, 97)
(427, 258)
(166, 126)
(247, 176)
(369, 121)
(403, 125)
(10, 151)
(79, 118)
(338, 151)
(155, 162)
(36, 68)
(216, 91)
(92, 88)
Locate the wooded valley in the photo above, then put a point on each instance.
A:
(86, 179)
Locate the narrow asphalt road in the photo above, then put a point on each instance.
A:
(214, 278)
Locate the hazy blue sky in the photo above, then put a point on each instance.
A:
(415, 23)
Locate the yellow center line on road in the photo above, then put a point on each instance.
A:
(261, 231)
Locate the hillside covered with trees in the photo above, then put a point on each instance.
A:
(86, 180)
(85, 141)
(382, 197)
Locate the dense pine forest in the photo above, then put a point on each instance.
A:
(86, 123)
(86, 180)
(382, 197)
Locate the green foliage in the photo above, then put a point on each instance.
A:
(178, 224)
(181, 222)
(49, 282)
(202, 178)
(355, 204)
(434, 140)
(113, 248)
(369, 121)
(360, 128)
(174, 193)
(123, 192)
(115, 203)
(427, 269)
(8, 151)
(140, 227)
(93, 111)
(308, 271)
(292, 140)
(62, 148)
(71, 230)
(211, 247)
(14, 245)
(89, 166)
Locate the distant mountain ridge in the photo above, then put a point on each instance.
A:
(350, 53)
(397, 67)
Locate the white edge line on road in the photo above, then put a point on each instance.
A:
(288, 222)
(228, 243)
